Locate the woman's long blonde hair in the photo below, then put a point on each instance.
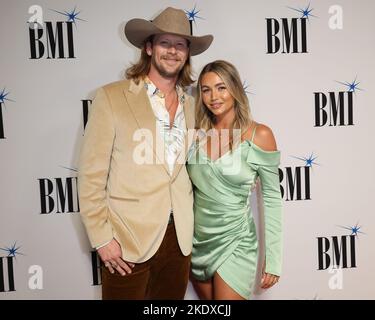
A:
(205, 119)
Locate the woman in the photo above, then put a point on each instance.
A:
(224, 165)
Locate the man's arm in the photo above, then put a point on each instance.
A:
(93, 169)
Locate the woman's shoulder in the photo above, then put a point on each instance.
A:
(261, 135)
(262, 146)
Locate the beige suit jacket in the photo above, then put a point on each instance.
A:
(121, 196)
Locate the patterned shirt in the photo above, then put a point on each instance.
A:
(173, 137)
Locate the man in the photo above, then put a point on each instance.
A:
(138, 212)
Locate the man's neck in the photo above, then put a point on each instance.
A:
(165, 85)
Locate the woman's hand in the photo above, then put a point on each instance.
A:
(268, 280)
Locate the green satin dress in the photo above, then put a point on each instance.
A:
(225, 239)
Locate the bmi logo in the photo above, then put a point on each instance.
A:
(7, 283)
(59, 195)
(85, 111)
(335, 108)
(96, 264)
(295, 182)
(338, 251)
(288, 35)
(3, 98)
(52, 39)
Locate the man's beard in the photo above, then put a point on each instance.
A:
(163, 72)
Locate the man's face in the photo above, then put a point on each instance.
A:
(168, 54)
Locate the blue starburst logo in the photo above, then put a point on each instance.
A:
(309, 161)
(245, 87)
(354, 230)
(306, 13)
(352, 86)
(3, 96)
(71, 169)
(71, 16)
(13, 250)
(193, 14)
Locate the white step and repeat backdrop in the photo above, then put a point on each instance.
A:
(309, 71)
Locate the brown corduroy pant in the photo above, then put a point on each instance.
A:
(163, 277)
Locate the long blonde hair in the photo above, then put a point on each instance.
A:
(139, 70)
(205, 119)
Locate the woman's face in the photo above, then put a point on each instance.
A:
(216, 96)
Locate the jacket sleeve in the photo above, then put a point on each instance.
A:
(94, 165)
(266, 163)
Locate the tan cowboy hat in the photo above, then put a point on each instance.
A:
(171, 20)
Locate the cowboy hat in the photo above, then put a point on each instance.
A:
(172, 21)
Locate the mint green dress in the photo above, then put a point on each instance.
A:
(225, 239)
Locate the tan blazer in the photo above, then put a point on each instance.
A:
(119, 196)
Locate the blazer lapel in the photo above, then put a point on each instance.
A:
(140, 106)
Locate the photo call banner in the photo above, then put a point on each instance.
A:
(308, 69)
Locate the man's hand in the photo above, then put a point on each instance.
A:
(111, 257)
